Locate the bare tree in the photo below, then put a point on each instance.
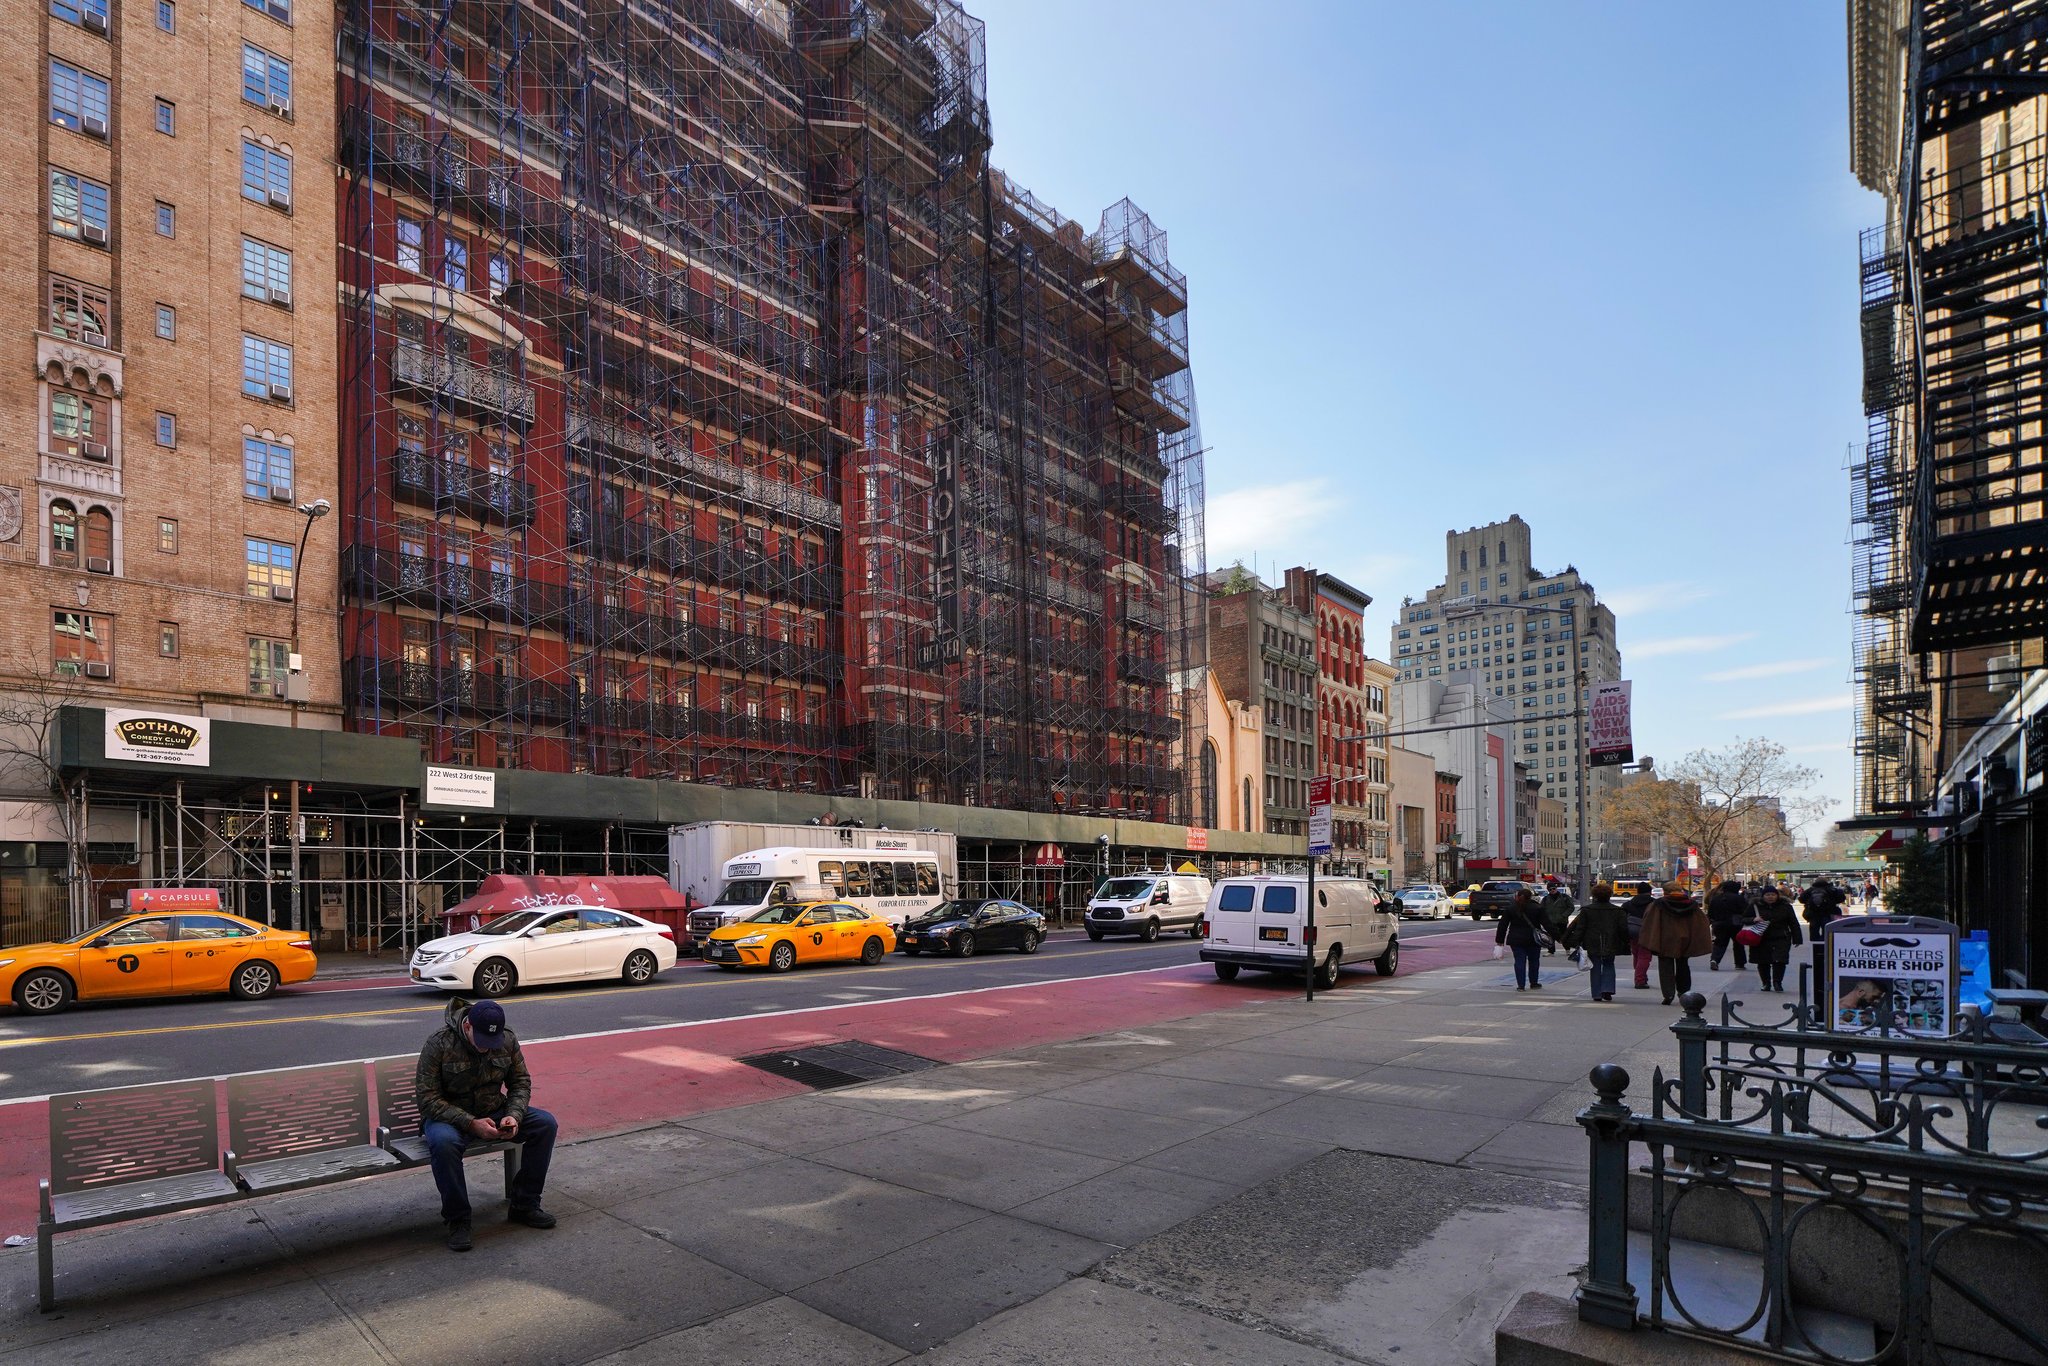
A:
(32, 701)
(1737, 806)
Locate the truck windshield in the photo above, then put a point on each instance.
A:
(1124, 889)
(745, 891)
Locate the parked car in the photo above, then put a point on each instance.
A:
(1256, 922)
(1423, 901)
(1145, 904)
(780, 937)
(1461, 900)
(964, 928)
(1494, 897)
(550, 944)
(155, 955)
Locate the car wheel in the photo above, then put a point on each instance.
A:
(253, 981)
(1032, 939)
(871, 952)
(782, 957)
(1195, 930)
(42, 992)
(963, 944)
(1150, 932)
(1095, 934)
(1386, 964)
(1226, 972)
(640, 968)
(1326, 976)
(494, 977)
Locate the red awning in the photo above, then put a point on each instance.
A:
(502, 893)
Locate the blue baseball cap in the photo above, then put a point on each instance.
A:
(487, 1025)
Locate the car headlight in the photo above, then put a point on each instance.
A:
(752, 939)
(454, 954)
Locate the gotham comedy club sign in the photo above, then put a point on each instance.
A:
(148, 737)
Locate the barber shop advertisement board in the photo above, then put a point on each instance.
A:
(1895, 971)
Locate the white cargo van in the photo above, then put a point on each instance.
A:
(896, 885)
(1256, 922)
(1145, 904)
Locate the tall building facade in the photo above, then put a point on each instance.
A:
(1263, 651)
(1351, 702)
(171, 404)
(1469, 733)
(1525, 637)
(1948, 514)
(1411, 790)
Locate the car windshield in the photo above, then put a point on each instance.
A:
(1124, 888)
(745, 891)
(785, 914)
(104, 927)
(510, 924)
(951, 910)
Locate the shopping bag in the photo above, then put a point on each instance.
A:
(1749, 936)
(1499, 952)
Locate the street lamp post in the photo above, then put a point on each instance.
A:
(294, 675)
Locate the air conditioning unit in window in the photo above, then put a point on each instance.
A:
(93, 339)
(280, 199)
(98, 564)
(94, 126)
(95, 450)
(281, 294)
(280, 105)
(96, 23)
(282, 592)
(280, 493)
(280, 393)
(98, 668)
(2002, 673)
(94, 233)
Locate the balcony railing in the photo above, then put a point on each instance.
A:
(488, 496)
(463, 381)
(716, 476)
(381, 575)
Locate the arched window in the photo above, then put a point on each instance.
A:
(1206, 804)
(1464, 562)
(99, 541)
(1482, 557)
(63, 535)
(1244, 812)
(1503, 552)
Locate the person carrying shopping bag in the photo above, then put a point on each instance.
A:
(1600, 931)
(1778, 935)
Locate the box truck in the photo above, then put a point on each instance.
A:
(699, 855)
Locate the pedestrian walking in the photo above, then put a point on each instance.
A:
(1819, 904)
(1869, 894)
(1635, 908)
(472, 1086)
(1557, 912)
(1727, 912)
(1600, 931)
(1522, 929)
(1675, 931)
(1780, 929)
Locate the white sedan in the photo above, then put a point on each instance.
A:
(1424, 901)
(553, 944)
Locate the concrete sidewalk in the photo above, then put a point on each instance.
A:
(1372, 1177)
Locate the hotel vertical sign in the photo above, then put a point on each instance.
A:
(945, 646)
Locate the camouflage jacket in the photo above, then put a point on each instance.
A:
(456, 1083)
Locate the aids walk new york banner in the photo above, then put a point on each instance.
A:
(1607, 731)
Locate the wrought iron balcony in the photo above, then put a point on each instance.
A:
(462, 381)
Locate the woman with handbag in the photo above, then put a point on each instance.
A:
(1776, 934)
(1601, 929)
(1522, 929)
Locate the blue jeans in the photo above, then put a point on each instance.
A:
(1602, 973)
(1528, 962)
(446, 1145)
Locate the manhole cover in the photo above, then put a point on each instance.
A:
(839, 1064)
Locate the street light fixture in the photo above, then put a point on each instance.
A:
(294, 676)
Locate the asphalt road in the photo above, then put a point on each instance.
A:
(128, 1043)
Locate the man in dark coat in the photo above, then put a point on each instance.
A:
(1781, 936)
(1601, 932)
(1634, 909)
(1557, 913)
(1819, 904)
(472, 1086)
(1727, 912)
(1675, 930)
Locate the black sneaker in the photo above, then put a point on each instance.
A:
(458, 1235)
(532, 1218)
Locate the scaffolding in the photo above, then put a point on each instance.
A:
(715, 412)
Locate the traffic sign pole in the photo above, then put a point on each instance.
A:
(1318, 845)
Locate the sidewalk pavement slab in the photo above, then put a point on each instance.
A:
(777, 1332)
(1088, 1321)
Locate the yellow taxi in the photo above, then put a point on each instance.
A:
(779, 937)
(156, 955)
(1461, 902)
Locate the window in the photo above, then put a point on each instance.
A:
(266, 79)
(266, 272)
(167, 535)
(63, 535)
(167, 639)
(269, 568)
(166, 429)
(167, 15)
(166, 322)
(78, 207)
(455, 263)
(78, 99)
(167, 118)
(266, 469)
(266, 175)
(266, 369)
(90, 14)
(280, 10)
(82, 643)
(500, 275)
(166, 219)
(412, 245)
(78, 426)
(269, 664)
(213, 927)
(80, 312)
(99, 541)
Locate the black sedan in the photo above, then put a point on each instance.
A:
(964, 928)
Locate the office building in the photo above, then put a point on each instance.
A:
(1351, 722)
(1262, 650)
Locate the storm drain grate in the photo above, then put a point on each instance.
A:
(839, 1064)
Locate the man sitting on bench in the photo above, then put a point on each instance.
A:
(473, 1086)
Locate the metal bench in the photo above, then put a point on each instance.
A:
(127, 1154)
(303, 1127)
(398, 1121)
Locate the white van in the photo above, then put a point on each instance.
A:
(894, 886)
(1145, 904)
(1256, 922)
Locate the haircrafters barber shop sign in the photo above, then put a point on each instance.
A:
(148, 737)
(1894, 972)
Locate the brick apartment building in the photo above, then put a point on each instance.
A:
(1351, 700)
(1263, 654)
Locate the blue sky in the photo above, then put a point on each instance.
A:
(1593, 263)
